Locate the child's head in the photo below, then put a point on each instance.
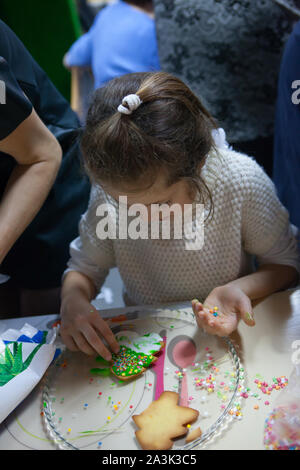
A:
(157, 151)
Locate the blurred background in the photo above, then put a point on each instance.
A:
(48, 28)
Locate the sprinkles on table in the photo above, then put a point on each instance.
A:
(209, 380)
(290, 440)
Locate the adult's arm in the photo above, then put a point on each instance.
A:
(38, 155)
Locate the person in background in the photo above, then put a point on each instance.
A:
(86, 14)
(228, 52)
(121, 40)
(286, 173)
(42, 188)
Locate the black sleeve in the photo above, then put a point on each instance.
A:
(14, 106)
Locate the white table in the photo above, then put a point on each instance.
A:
(265, 349)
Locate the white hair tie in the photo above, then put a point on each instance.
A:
(132, 102)
(219, 136)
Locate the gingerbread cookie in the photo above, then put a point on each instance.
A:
(135, 355)
(163, 421)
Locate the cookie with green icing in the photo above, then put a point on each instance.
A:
(135, 355)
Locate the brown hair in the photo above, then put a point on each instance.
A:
(170, 130)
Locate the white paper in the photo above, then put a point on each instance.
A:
(14, 390)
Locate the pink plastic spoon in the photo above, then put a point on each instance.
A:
(184, 353)
(158, 368)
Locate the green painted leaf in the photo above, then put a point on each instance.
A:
(31, 356)
(14, 364)
(4, 379)
(9, 358)
(15, 348)
(18, 359)
(4, 370)
(45, 333)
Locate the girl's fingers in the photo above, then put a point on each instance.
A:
(94, 340)
(106, 332)
(69, 342)
(198, 310)
(82, 344)
(197, 306)
(205, 316)
(203, 322)
(212, 325)
(207, 321)
(247, 317)
(246, 311)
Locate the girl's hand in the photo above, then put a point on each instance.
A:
(82, 329)
(232, 305)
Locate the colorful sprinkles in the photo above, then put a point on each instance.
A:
(128, 363)
(214, 311)
(209, 379)
(273, 440)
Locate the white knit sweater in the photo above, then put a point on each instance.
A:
(248, 220)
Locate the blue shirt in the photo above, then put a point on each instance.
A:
(121, 40)
(286, 173)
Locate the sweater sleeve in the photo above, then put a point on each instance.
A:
(91, 255)
(266, 229)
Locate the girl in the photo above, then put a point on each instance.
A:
(156, 146)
